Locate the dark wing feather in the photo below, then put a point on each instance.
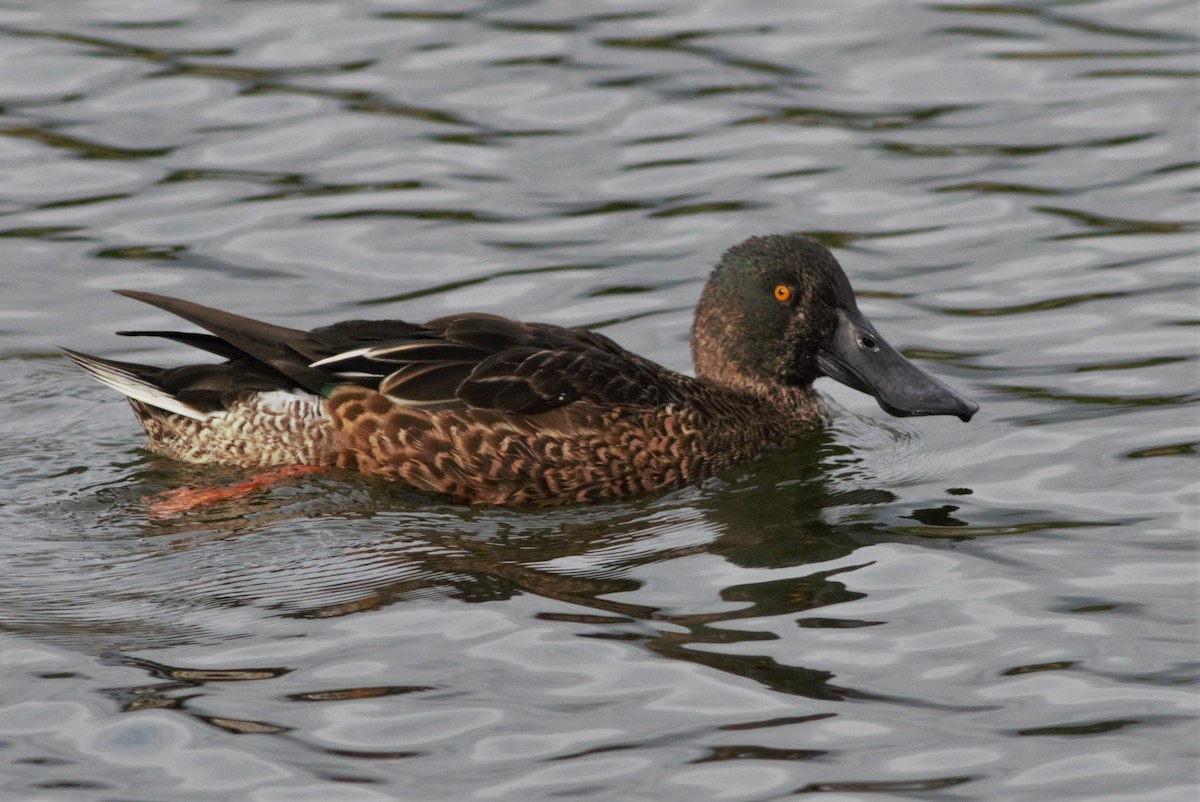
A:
(532, 381)
(490, 333)
(206, 342)
(526, 368)
(427, 384)
(490, 362)
(474, 360)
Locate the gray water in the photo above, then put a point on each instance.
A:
(892, 609)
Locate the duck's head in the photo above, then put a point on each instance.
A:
(779, 312)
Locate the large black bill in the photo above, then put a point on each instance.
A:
(858, 357)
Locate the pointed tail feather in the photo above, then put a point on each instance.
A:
(281, 348)
(205, 342)
(135, 381)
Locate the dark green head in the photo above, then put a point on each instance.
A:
(779, 312)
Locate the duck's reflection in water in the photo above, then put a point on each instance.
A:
(594, 558)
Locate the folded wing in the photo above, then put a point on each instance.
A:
(470, 360)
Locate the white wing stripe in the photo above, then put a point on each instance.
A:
(329, 360)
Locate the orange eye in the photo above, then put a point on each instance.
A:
(783, 293)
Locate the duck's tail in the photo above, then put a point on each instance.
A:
(139, 382)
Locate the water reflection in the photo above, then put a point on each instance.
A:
(774, 519)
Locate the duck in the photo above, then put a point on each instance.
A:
(481, 409)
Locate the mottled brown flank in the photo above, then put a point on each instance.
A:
(578, 453)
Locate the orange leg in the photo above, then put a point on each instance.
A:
(173, 502)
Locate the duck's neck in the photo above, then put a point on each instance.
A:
(779, 401)
(720, 355)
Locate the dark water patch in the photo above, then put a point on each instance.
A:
(852, 120)
(494, 138)
(682, 43)
(1135, 364)
(42, 233)
(904, 787)
(342, 189)
(342, 694)
(1000, 188)
(1049, 14)
(1072, 55)
(107, 47)
(1101, 401)
(621, 289)
(263, 77)
(992, 149)
(1060, 665)
(68, 203)
(81, 147)
(236, 726)
(1175, 450)
(1145, 73)
(368, 105)
(651, 165)
(1090, 728)
(751, 752)
(960, 529)
(444, 288)
(707, 207)
(612, 207)
(835, 623)
(200, 676)
(447, 215)
(1038, 306)
(156, 253)
(248, 176)
(424, 16)
(1115, 225)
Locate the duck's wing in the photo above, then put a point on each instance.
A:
(469, 360)
(489, 362)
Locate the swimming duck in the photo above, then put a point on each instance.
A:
(482, 409)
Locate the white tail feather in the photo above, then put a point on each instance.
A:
(130, 384)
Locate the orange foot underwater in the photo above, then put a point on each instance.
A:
(184, 499)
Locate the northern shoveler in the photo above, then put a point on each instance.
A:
(482, 409)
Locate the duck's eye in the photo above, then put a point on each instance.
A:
(783, 293)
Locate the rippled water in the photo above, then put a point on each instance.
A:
(900, 609)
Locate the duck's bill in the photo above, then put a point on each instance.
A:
(858, 357)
